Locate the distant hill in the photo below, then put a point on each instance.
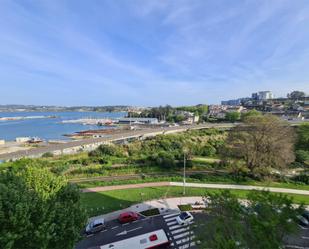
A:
(36, 108)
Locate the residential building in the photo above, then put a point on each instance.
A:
(138, 120)
(263, 95)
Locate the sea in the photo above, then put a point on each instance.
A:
(49, 128)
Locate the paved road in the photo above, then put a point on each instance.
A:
(181, 237)
(87, 143)
(198, 185)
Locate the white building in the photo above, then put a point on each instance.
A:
(23, 139)
(263, 95)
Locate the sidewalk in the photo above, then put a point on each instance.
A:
(242, 187)
(197, 185)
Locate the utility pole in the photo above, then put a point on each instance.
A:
(184, 172)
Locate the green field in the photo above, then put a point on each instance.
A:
(108, 201)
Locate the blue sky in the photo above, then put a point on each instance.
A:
(144, 52)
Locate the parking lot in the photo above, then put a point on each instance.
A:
(180, 236)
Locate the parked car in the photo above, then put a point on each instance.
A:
(306, 214)
(184, 218)
(95, 226)
(128, 217)
(302, 221)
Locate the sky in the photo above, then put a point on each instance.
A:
(151, 52)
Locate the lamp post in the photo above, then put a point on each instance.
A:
(185, 151)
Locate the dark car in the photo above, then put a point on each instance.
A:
(302, 221)
(95, 226)
(306, 214)
(127, 217)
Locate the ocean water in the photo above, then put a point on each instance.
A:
(49, 128)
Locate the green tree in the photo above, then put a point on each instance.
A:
(261, 223)
(38, 210)
(232, 116)
(262, 142)
(270, 217)
(224, 227)
(250, 114)
(303, 136)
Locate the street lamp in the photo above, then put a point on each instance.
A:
(185, 151)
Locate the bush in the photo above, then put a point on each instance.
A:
(303, 178)
(106, 150)
(150, 212)
(185, 207)
(302, 156)
(48, 154)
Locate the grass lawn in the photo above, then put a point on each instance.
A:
(205, 159)
(108, 201)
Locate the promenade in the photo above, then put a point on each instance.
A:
(72, 147)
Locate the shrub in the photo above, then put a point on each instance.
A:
(302, 156)
(185, 207)
(48, 154)
(303, 178)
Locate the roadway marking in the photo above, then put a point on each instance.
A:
(170, 219)
(180, 230)
(171, 223)
(175, 227)
(179, 226)
(297, 247)
(188, 239)
(125, 224)
(170, 215)
(304, 237)
(125, 231)
(114, 227)
(187, 245)
(182, 235)
(304, 228)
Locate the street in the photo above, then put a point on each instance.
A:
(180, 236)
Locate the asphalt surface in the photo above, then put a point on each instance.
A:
(180, 236)
(111, 138)
(300, 240)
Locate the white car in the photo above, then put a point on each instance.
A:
(184, 218)
(95, 226)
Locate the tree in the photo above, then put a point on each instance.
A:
(250, 114)
(38, 210)
(261, 223)
(232, 116)
(262, 142)
(223, 227)
(303, 137)
(106, 150)
(296, 95)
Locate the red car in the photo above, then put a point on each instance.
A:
(127, 217)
